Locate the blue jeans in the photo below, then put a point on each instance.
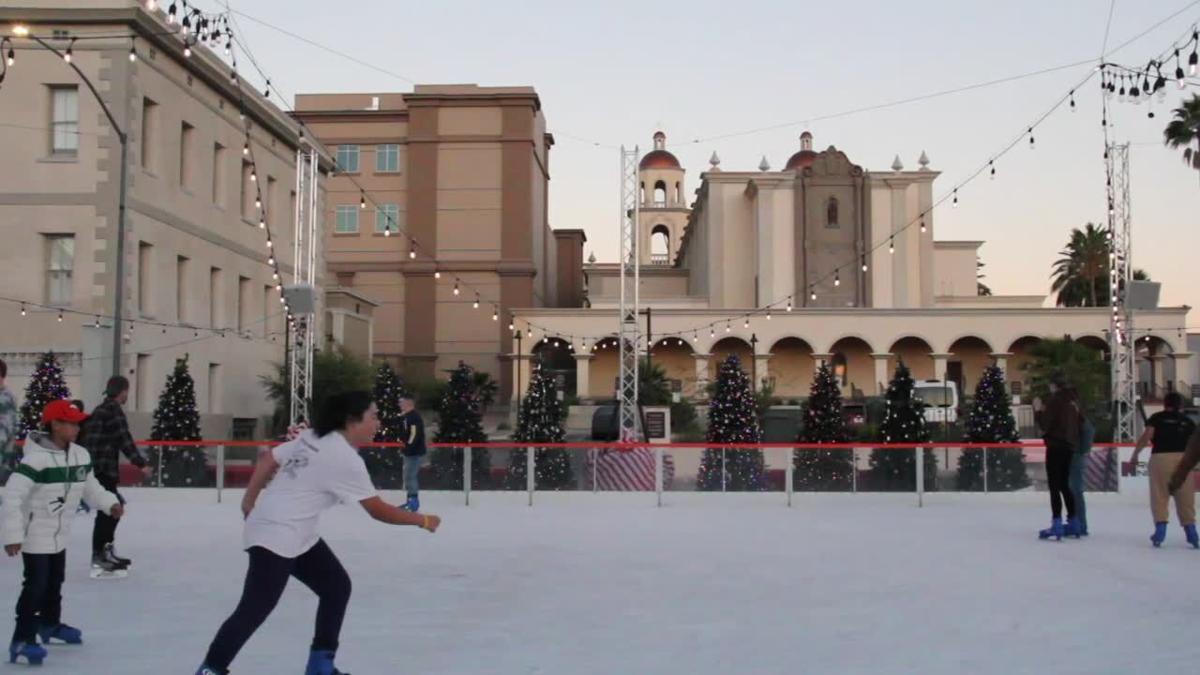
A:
(412, 471)
(1078, 460)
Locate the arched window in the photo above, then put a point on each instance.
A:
(679, 194)
(642, 193)
(831, 212)
(660, 245)
(660, 193)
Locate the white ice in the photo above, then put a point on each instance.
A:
(710, 584)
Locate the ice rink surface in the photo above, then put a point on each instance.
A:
(710, 584)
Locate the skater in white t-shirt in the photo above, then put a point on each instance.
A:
(306, 476)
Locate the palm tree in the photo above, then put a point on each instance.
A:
(1082, 268)
(980, 287)
(1184, 130)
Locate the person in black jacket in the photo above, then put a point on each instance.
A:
(412, 430)
(1059, 419)
(106, 436)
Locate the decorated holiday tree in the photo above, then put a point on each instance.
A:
(386, 465)
(540, 421)
(903, 422)
(176, 419)
(732, 418)
(991, 421)
(460, 420)
(823, 423)
(45, 386)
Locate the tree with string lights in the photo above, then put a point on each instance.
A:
(460, 420)
(176, 419)
(45, 386)
(386, 465)
(991, 421)
(732, 418)
(903, 422)
(823, 470)
(540, 421)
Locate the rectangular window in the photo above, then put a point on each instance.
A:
(64, 120)
(243, 303)
(387, 158)
(214, 388)
(142, 380)
(181, 289)
(149, 135)
(347, 218)
(214, 298)
(247, 192)
(347, 158)
(387, 216)
(291, 214)
(269, 204)
(145, 278)
(60, 268)
(187, 136)
(218, 184)
(267, 297)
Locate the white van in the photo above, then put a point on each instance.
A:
(940, 398)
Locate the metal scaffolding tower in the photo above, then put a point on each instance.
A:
(301, 294)
(628, 342)
(1121, 338)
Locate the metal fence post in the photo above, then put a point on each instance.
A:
(985, 471)
(595, 460)
(467, 475)
(220, 471)
(658, 473)
(530, 472)
(788, 474)
(853, 471)
(722, 469)
(920, 476)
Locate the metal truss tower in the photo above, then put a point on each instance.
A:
(302, 292)
(1121, 338)
(628, 342)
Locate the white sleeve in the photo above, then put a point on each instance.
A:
(96, 495)
(16, 505)
(352, 483)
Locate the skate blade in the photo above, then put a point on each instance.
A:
(106, 574)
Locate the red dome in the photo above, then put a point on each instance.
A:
(659, 159)
(800, 160)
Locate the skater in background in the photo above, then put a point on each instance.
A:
(40, 500)
(291, 486)
(1059, 421)
(412, 429)
(8, 427)
(1087, 433)
(1167, 433)
(106, 436)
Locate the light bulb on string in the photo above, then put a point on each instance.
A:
(362, 201)
(60, 316)
(992, 166)
(97, 324)
(132, 51)
(923, 228)
(864, 263)
(837, 278)
(22, 309)
(1194, 58)
(746, 324)
(892, 244)
(387, 230)
(789, 303)
(1179, 71)
(437, 274)
(254, 175)
(694, 337)
(712, 333)
(495, 314)
(954, 204)
(271, 261)
(812, 293)
(1071, 97)
(768, 315)
(267, 91)
(456, 287)
(475, 305)
(412, 252)
(1031, 145)
(67, 54)
(727, 327)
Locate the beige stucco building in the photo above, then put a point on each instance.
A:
(464, 170)
(195, 256)
(820, 261)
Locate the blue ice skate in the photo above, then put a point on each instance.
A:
(33, 653)
(320, 662)
(1160, 534)
(1074, 528)
(62, 632)
(1055, 531)
(1192, 538)
(413, 504)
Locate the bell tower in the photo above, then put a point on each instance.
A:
(664, 208)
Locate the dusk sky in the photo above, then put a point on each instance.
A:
(707, 72)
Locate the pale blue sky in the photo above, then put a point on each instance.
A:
(615, 71)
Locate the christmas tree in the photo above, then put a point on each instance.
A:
(176, 419)
(991, 421)
(732, 418)
(540, 421)
(823, 423)
(903, 422)
(386, 465)
(45, 386)
(460, 420)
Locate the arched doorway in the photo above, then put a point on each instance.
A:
(1022, 354)
(969, 357)
(1155, 368)
(791, 367)
(730, 346)
(556, 356)
(603, 369)
(853, 366)
(916, 354)
(674, 356)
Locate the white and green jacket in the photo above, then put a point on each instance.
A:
(42, 495)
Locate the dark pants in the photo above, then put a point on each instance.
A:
(318, 568)
(1078, 464)
(40, 603)
(106, 526)
(1058, 472)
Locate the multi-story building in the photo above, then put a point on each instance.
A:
(195, 256)
(464, 170)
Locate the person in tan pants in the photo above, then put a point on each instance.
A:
(1169, 431)
(1181, 479)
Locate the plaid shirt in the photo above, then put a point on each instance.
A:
(104, 434)
(8, 431)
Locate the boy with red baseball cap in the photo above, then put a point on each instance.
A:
(40, 499)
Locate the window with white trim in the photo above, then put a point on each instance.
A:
(64, 120)
(387, 158)
(347, 219)
(387, 216)
(347, 158)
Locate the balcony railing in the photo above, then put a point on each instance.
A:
(660, 259)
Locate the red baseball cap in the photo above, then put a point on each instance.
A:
(63, 411)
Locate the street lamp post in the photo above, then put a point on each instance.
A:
(754, 362)
(119, 280)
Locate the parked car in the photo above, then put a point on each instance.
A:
(940, 398)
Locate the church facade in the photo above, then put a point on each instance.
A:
(822, 261)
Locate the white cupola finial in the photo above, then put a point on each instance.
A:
(897, 165)
(714, 162)
(764, 165)
(924, 161)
